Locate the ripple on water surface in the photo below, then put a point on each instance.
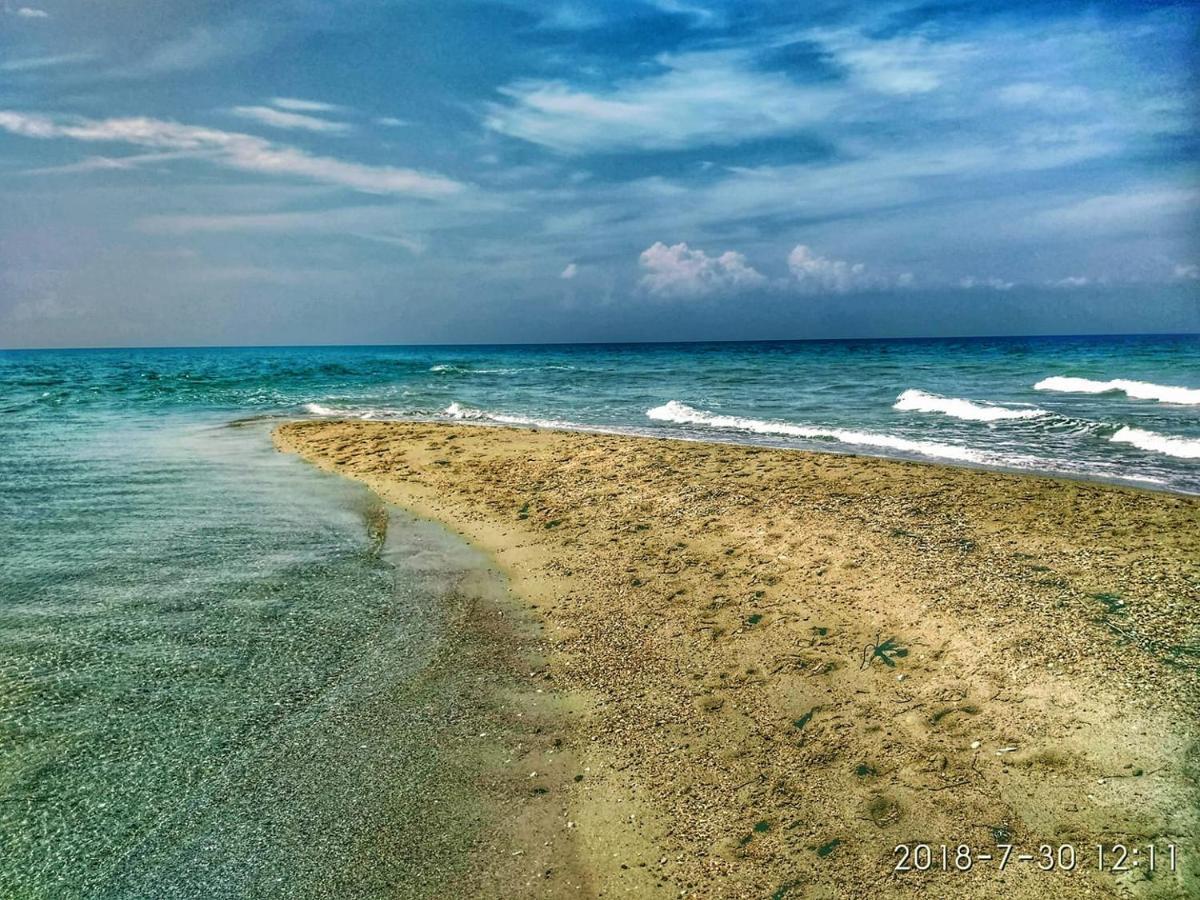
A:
(218, 682)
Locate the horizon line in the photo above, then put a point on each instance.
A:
(614, 343)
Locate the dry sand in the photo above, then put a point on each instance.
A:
(711, 718)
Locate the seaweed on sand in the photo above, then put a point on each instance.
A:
(887, 652)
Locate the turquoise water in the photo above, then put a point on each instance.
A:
(1125, 409)
(215, 680)
(218, 677)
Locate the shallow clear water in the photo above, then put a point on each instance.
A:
(214, 682)
(217, 678)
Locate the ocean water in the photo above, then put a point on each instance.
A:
(222, 673)
(219, 678)
(1124, 409)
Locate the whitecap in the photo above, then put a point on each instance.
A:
(682, 414)
(1138, 390)
(914, 400)
(318, 409)
(465, 413)
(1179, 447)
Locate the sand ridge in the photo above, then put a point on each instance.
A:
(792, 662)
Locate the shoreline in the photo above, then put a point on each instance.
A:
(713, 602)
(1131, 482)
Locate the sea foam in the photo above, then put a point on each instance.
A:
(1181, 448)
(466, 413)
(1138, 390)
(682, 414)
(918, 401)
(318, 409)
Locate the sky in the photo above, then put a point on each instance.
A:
(317, 172)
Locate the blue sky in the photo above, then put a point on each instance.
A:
(303, 171)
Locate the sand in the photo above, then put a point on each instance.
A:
(758, 671)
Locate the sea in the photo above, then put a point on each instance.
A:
(220, 675)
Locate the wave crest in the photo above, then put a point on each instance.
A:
(914, 400)
(1138, 390)
(682, 414)
(329, 412)
(465, 413)
(1180, 448)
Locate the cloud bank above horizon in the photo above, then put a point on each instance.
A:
(286, 171)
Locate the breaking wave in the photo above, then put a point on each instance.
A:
(1181, 448)
(1138, 390)
(682, 414)
(466, 413)
(330, 412)
(918, 401)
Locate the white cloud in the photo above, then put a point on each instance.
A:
(898, 65)
(679, 272)
(1184, 272)
(289, 120)
(569, 272)
(232, 150)
(1072, 281)
(715, 97)
(820, 275)
(37, 63)
(29, 12)
(295, 104)
(1138, 209)
(996, 284)
(202, 46)
(389, 121)
(1054, 98)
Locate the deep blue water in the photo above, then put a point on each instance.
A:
(185, 615)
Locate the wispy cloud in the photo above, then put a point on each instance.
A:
(202, 46)
(232, 150)
(1130, 210)
(907, 64)
(29, 12)
(295, 104)
(717, 97)
(37, 63)
(276, 118)
(569, 272)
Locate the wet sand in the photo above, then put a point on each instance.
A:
(755, 672)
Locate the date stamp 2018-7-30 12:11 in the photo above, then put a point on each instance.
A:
(1112, 858)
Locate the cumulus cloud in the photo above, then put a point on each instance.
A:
(276, 118)
(680, 272)
(996, 284)
(812, 273)
(1184, 272)
(30, 12)
(1072, 281)
(232, 150)
(569, 272)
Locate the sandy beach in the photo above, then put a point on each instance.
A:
(756, 672)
